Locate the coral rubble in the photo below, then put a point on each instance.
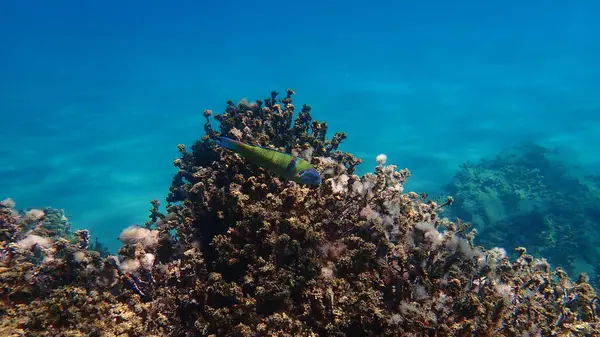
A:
(241, 252)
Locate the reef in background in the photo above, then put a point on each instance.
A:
(527, 196)
(252, 255)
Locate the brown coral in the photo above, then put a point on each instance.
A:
(254, 255)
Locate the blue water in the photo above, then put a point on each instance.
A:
(95, 95)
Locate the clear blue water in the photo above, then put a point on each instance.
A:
(95, 95)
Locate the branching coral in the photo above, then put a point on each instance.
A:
(527, 196)
(241, 252)
(54, 287)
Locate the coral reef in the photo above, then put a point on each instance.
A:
(241, 252)
(527, 196)
(54, 287)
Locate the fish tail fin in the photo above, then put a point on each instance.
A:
(229, 143)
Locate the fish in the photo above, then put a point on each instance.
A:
(283, 164)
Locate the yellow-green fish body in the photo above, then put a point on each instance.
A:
(283, 164)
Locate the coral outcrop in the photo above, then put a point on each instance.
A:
(528, 196)
(241, 252)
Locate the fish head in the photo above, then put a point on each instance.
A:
(309, 176)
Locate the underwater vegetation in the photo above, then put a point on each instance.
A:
(243, 252)
(527, 196)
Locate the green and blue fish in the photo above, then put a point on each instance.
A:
(283, 164)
